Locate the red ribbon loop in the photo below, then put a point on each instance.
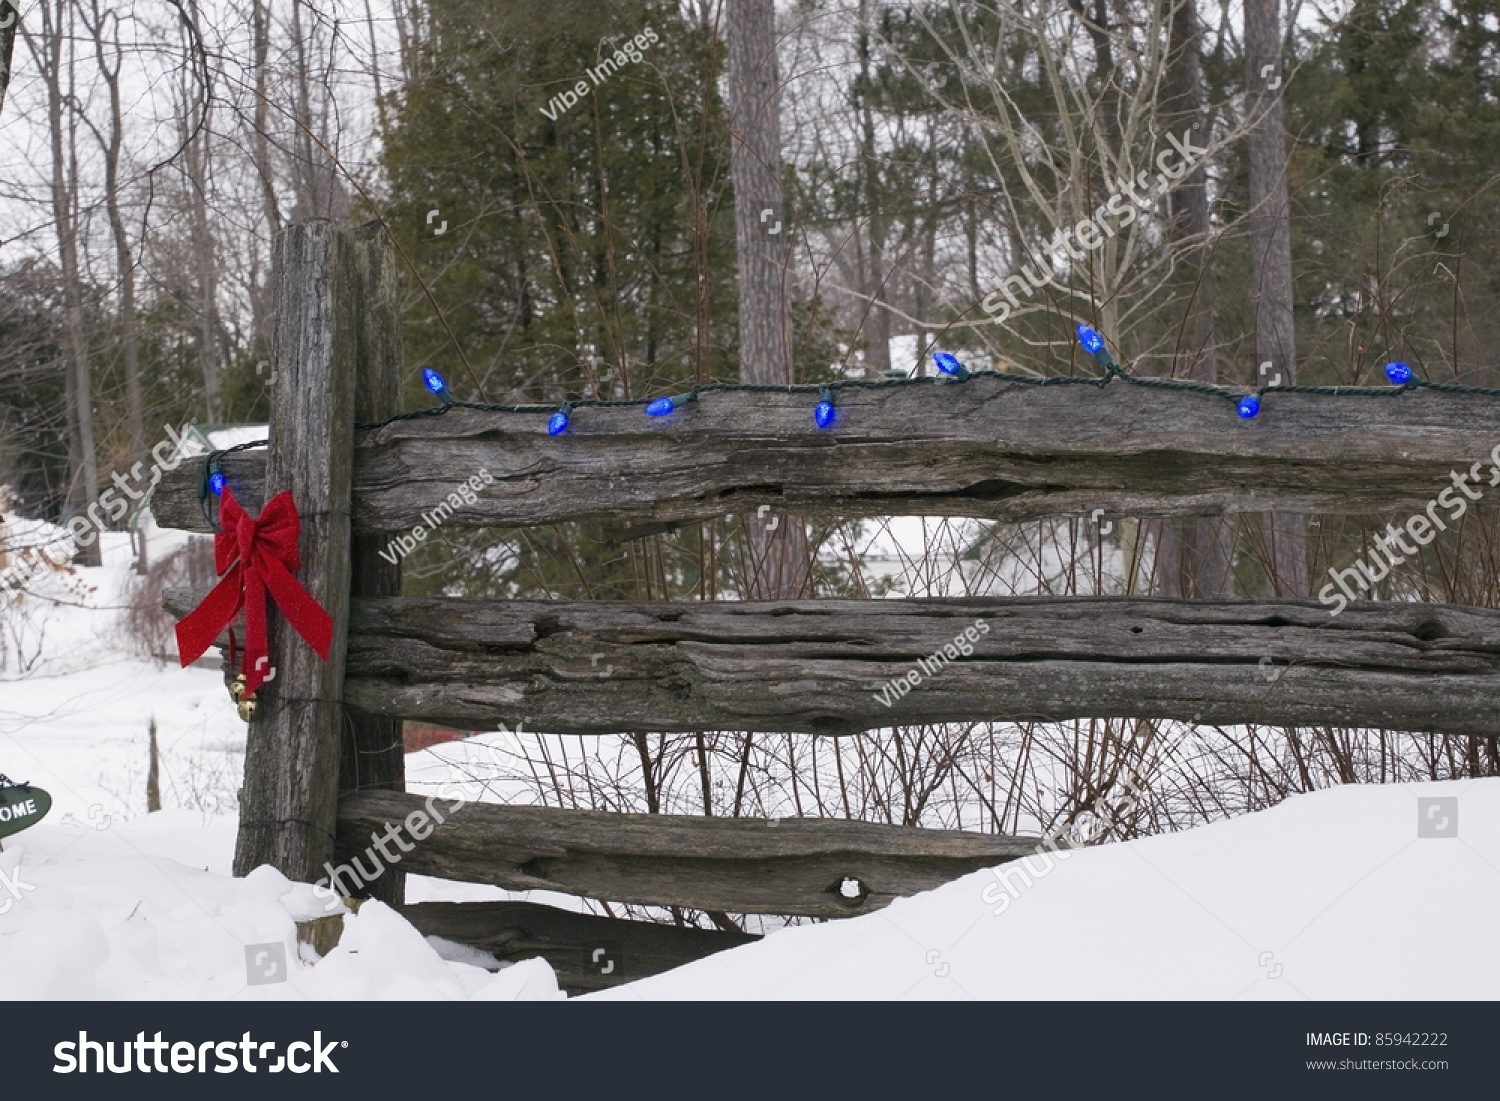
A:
(255, 557)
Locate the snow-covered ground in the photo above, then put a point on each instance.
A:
(1326, 896)
(102, 899)
(146, 909)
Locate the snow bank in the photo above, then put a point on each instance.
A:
(102, 900)
(1326, 896)
(102, 914)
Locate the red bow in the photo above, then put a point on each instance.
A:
(259, 555)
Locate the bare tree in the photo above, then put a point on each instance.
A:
(52, 50)
(196, 159)
(780, 556)
(1067, 125)
(1195, 559)
(317, 183)
(103, 26)
(260, 154)
(874, 278)
(1271, 256)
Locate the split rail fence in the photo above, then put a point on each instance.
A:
(324, 762)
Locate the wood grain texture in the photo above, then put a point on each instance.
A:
(815, 666)
(737, 865)
(290, 797)
(588, 952)
(984, 448)
(372, 754)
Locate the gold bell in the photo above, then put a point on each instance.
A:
(243, 703)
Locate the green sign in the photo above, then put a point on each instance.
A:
(22, 806)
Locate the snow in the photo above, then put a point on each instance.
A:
(101, 914)
(234, 435)
(102, 900)
(1331, 895)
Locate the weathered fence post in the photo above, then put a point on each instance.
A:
(289, 804)
(372, 755)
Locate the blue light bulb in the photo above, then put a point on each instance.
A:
(433, 381)
(559, 422)
(1249, 406)
(824, 413)
(217, 482)
(660, 407)
(1398, 372)
(948, 363)
(1092, 342)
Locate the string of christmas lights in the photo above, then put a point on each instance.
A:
(1247, 405)
(825, 412)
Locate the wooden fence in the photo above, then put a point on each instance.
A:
(324, 761)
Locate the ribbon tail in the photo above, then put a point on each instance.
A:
(256, 658)
(197, 630)
(298, 606)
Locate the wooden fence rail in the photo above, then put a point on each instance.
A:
(324, 769)
(813, 867)
(818, 666)
(586, 951)
(983, 448)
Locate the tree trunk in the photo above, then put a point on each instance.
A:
(779, 565)
(124, 265)
(319, 190)
(877, 325)
(1198, 551)
(1271, 260)
(260, 151)
(10, 19)
(196, 157)
(83, 489)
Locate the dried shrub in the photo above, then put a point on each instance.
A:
(148, 628)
